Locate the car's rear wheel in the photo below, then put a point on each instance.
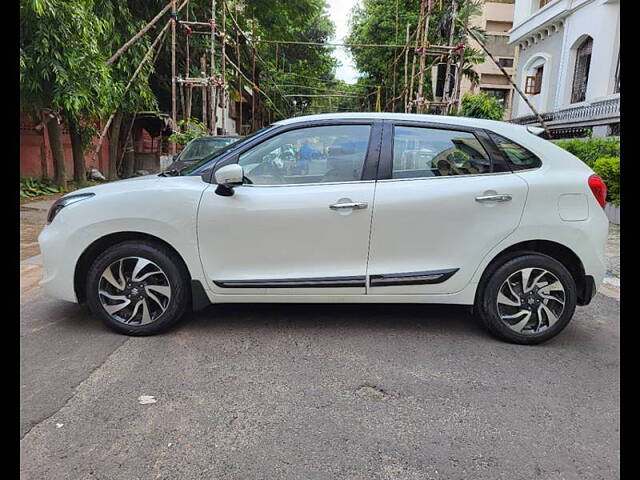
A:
(138, 288)
(528, 299)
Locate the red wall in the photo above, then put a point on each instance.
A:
(34, 144)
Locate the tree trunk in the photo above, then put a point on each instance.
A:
(127, 156)
(54, 130)
(79, 172)
(114, 142)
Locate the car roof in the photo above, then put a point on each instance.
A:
(496, 126)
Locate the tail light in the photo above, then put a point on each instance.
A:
(598, 188)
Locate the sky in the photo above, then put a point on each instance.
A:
(339, 11)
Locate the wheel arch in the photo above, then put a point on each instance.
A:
(94, 249)
(557, 251)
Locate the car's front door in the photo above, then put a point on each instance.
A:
(442, 203)
(300, 223)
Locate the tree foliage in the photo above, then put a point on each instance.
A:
(61, 59)
(481, 105)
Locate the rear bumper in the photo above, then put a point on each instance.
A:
(588, 291)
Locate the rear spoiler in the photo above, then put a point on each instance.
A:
(536, 130)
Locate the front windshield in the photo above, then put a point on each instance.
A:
(202, 147)
(197, 168)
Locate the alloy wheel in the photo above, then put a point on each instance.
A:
(531, 300)
(134, 291)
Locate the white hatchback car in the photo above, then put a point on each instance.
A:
(343, 208)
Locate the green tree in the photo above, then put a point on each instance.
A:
(62, 70)
(481, 105)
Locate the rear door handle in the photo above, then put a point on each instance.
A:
(354, 205)
(494, 198)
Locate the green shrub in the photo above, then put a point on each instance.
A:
(589, 150)
(609, 169)
(481, 105)
(30, 187)
(187, 131)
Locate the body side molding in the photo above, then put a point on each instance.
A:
(411, 278)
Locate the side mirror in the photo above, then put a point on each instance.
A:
(228, 177)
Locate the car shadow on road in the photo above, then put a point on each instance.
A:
(452, 319)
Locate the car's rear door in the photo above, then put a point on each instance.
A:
(291, 230)
(443, 201)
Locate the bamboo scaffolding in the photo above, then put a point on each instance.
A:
(138, 35)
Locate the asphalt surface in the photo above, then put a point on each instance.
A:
(317, 392)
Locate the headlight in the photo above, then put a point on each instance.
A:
(64, 201)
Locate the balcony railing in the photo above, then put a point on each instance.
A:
(594, 113)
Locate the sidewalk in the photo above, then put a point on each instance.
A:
(33, 217)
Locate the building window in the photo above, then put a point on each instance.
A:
(505, 62)
(544, 2)
(581, 73)
(533, 85)
(616, 87)
(500, 94)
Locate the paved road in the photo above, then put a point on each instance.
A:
(293, 392)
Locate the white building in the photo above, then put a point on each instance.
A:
(568, 64)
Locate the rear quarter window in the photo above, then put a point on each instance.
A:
(518, 157)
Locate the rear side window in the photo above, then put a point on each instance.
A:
(518, 158)
(420, 152)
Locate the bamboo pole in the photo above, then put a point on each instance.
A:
(182, 103)
(406, 72)
(446, 91)
(253, 92)
(137, 36)
(205, 114)
(508, 77)
(213, 97)
(423, 56)
(418, 37)
(457, 97)
(188, 59)
(145, 59)
(174, 119)
(239, 83)
(395, 65)
(224, 78)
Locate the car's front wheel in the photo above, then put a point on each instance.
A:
(528, 299)
(138, 287)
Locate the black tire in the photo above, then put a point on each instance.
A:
(486, 302)
(170, 265)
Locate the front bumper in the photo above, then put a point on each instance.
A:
(58, 261)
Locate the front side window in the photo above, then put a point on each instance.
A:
(430, 152)
(519, 158)
(333, 153)
(202, 147)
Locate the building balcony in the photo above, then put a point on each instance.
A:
(588, 114)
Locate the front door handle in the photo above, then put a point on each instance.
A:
(494, 198)
(354, 205)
